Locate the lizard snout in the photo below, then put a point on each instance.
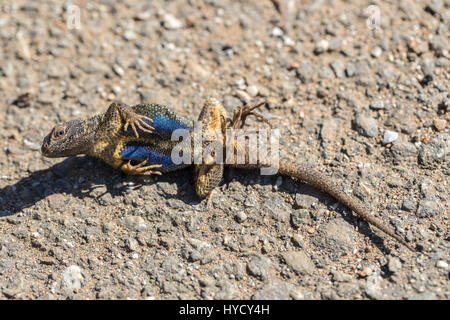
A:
(45, 146)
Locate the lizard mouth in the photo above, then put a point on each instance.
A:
(45, 148)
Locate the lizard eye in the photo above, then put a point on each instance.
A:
(59, 132)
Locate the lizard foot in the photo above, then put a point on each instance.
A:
(136, 120)
(241, 113)
(140, 168)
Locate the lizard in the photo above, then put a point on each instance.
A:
(137, 140)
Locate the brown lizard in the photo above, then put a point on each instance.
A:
(137, 140)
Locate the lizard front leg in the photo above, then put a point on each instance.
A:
(129, 118)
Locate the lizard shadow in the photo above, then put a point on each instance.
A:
(88, 177)
(84, 177)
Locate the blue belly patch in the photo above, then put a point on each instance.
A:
(139, 152)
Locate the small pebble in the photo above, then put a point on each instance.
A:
(130, 35)
(135, 223)
(376, 52)
(298, 240)
(73, 277)
(171, 23)
(367, 271)
(277, 32)
(288, 42)
(134, 256)
(418, 46)
(389, 136)
(116, 89)
(366, 125)
(241, 216)
(143, 15)
(240, 83)
(132, 244)
(118, 70)
(440, 124)
(377, 105)
(350, 70)
(338, 68)
(252, 91)
(244, 96)
(23, 45)
(394, 264)
(321, 46)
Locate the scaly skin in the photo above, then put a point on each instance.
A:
(137, 140)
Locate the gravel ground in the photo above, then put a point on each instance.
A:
(360, 90)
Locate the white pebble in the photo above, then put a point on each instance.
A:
(389, 136)
(130, 35)
(70, 245)
(23, 45)
(442, 264)
(244, 96)
(288, 42)
(118, 70)
(376, 52)
(240, 83)
(134, 256)
(322, 46)
(277, 32)
(241, 216)
(252, 91)
(171, 23)
(73, 277)
(170, 46)
(116, 89)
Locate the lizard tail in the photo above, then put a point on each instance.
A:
(325, 184)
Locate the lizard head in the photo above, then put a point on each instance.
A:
(66, 139)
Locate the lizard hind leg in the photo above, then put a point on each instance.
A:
(240, 114)
(140, 168)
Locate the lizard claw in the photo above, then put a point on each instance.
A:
(140, 168)
(135, 120)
